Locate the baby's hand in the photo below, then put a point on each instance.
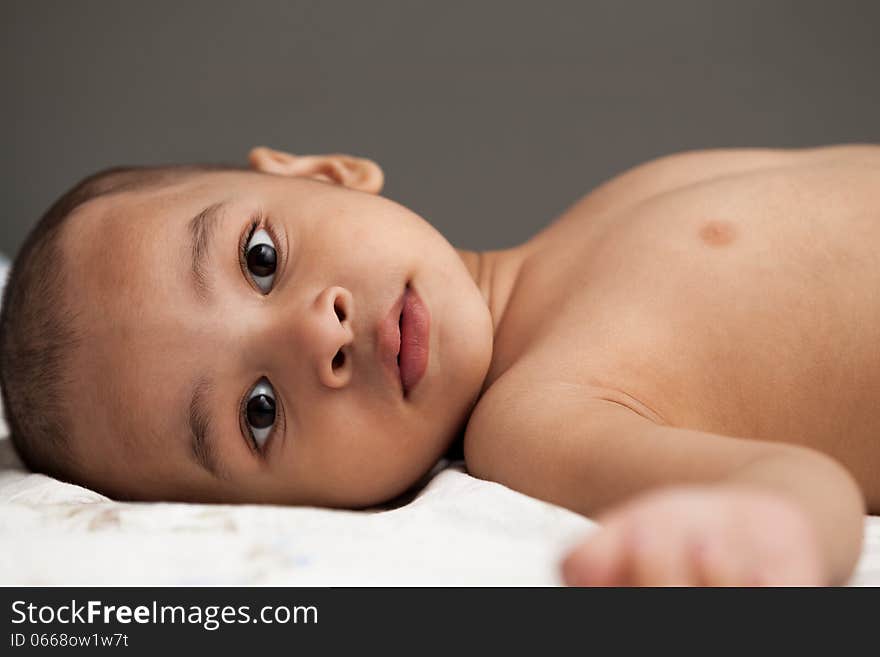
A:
(693, 536)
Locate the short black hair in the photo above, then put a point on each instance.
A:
(37, 324)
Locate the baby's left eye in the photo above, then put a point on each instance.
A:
(261, 259)
(260, 412)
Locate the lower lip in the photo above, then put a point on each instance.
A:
(415, 323)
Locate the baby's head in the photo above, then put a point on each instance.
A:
(216, 334)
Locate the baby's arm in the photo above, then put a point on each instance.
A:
(677, 505)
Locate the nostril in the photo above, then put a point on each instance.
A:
(340, 311)
(338, 360)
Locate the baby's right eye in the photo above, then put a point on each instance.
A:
(261, 259)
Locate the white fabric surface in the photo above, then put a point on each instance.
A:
(457, 531)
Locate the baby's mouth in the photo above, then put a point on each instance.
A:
(391, 343)
(399, 326)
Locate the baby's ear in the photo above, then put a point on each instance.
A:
(346, 170)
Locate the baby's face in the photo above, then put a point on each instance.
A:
(241, 380)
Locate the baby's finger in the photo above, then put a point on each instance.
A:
(795, 568)
(716, 562)
(596, 562)
(659, 558)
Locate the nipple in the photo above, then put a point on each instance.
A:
(717, 233)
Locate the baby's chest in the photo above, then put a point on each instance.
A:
(747, 316)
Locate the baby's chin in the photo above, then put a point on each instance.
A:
(371, 495)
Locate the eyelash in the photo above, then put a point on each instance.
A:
(257, 221)
(242, 419)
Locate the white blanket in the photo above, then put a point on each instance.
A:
(458, 531)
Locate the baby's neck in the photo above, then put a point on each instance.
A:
(496, 274)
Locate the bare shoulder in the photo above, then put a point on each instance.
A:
(534, 436)
(587, 448)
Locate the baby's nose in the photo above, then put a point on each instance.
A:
(333, 336)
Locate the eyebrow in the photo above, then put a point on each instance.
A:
(202, 230)
(202, 443)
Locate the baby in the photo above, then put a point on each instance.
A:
(691, 352)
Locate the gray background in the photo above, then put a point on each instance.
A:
(489, 118)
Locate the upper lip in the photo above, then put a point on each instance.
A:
(388, 341)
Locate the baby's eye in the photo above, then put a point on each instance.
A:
(260, 412)
(261, 259)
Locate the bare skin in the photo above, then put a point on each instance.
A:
(689, 352)
(700, 334)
